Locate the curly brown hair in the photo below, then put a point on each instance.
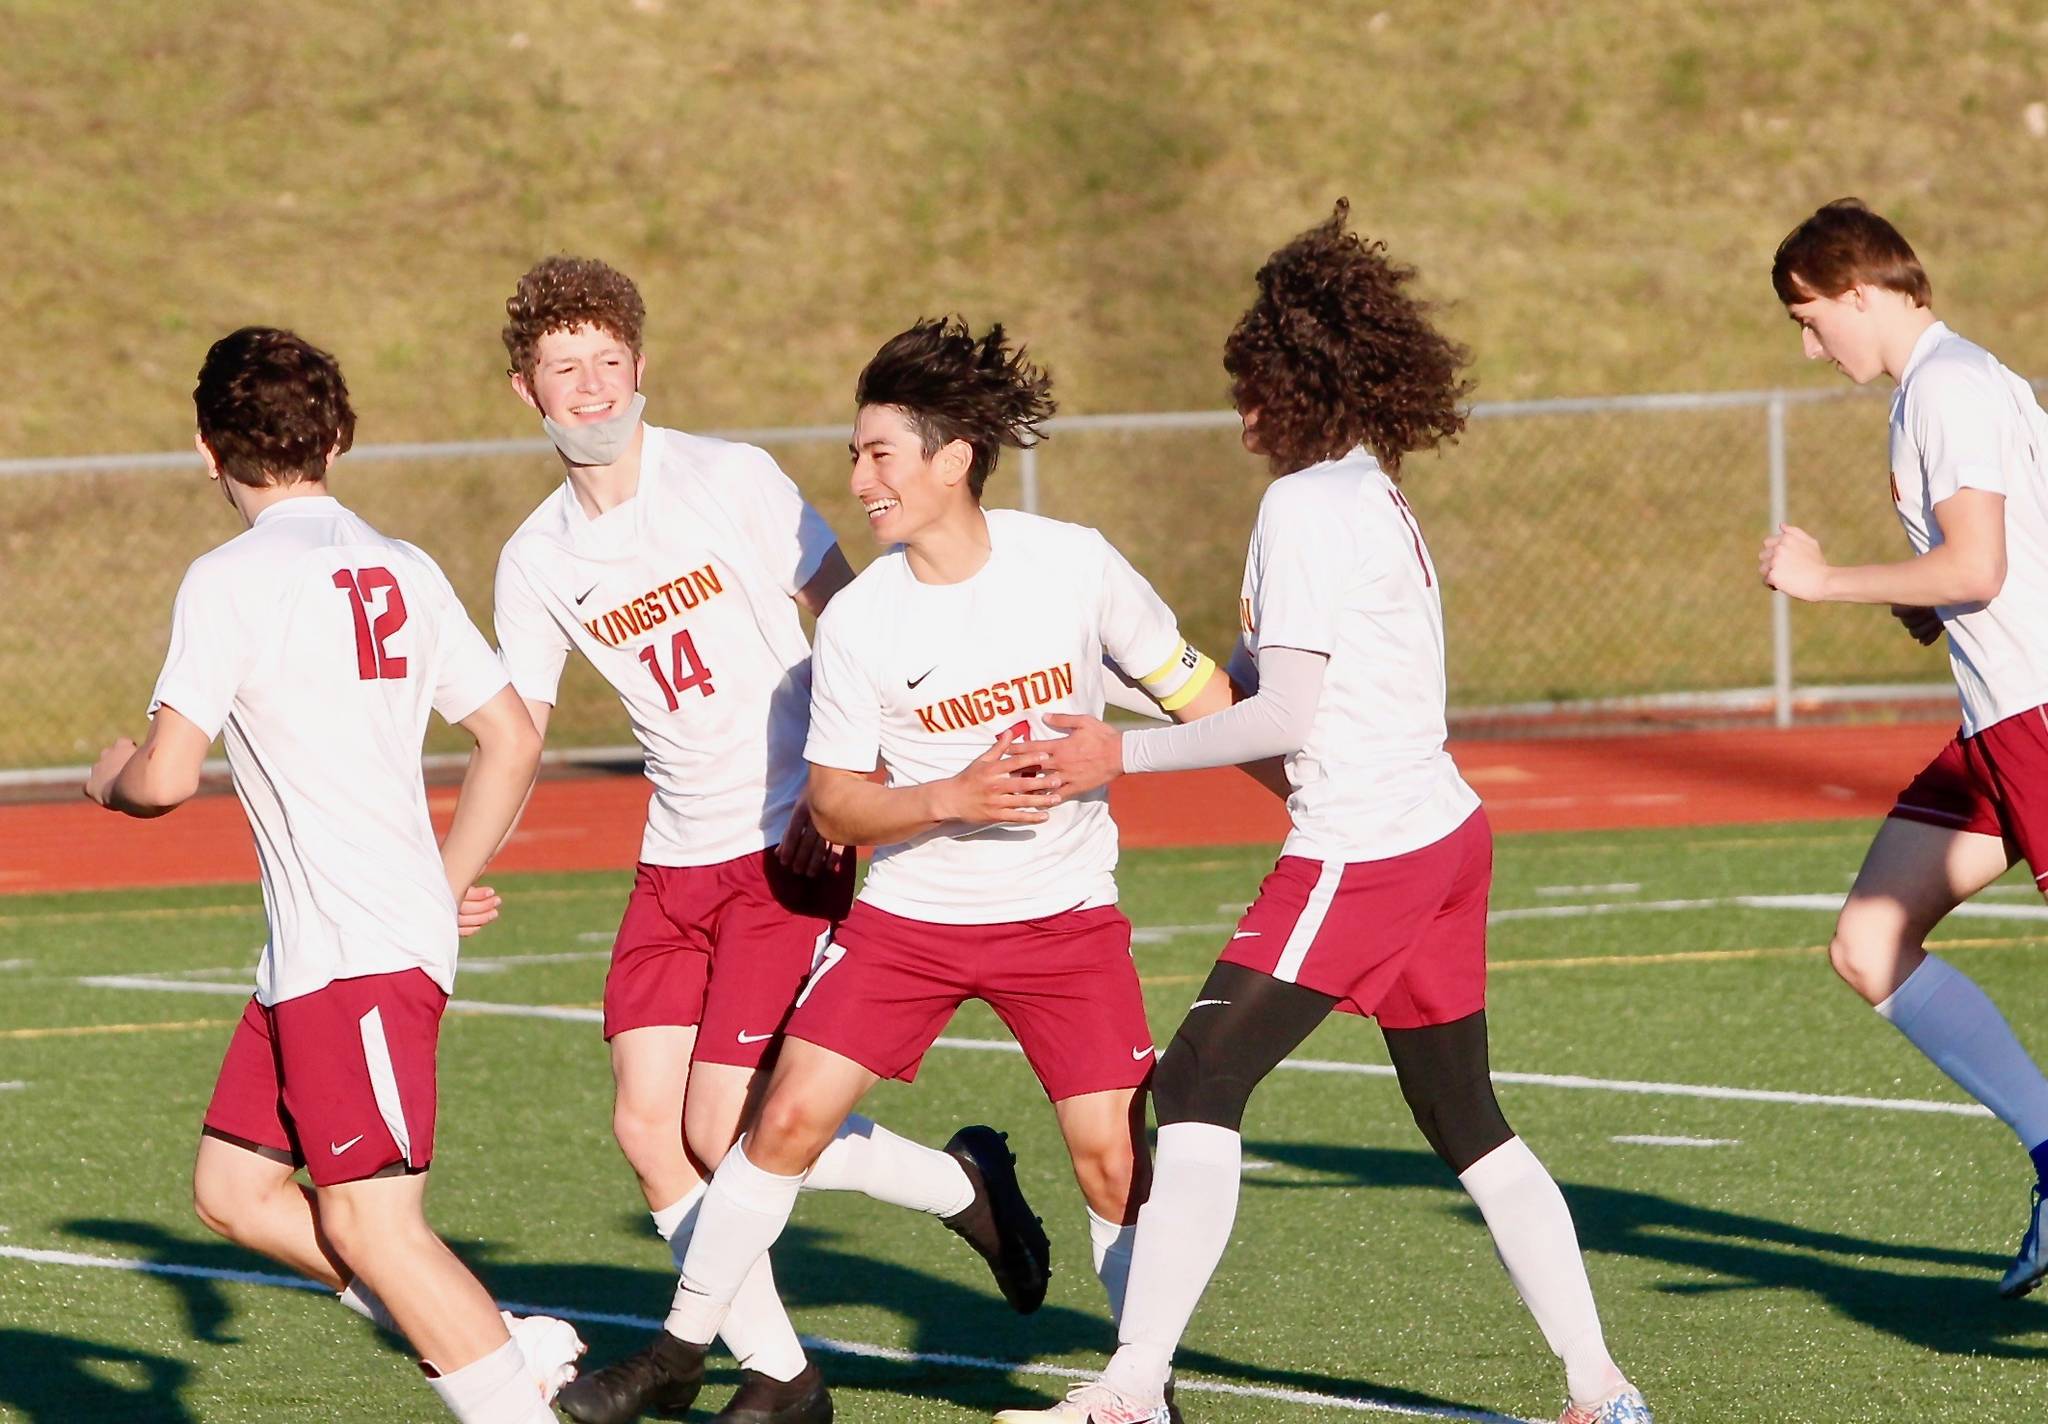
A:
(1336, 353)
(561, 293)
(953, 385)
(272, 407)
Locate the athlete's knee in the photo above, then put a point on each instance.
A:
(1195, 1082)
(1867, 944)
(790, 1131)
(1460, 1118)
(646, 1129)
(1104, 1173)
(226, 1201)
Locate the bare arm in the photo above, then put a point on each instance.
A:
(494, 789)
(1968, 566)
(998, 786)
(156, 777)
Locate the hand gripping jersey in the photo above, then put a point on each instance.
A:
(316, 647)
(1960, 420)
(927, 676)
(1338, 566)
(681, 598)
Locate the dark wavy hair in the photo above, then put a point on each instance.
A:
(271, 407)
(1841, 245)
(561, 293)
(1336, 353)
(953, 385)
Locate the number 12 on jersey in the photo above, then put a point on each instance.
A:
(686, 669)
(373, 659)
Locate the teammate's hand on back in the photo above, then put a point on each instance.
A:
(1091, 754)
(477, 908)
(1923, 623)
(101, 779)
(1792, 564)
(803, 849)
(1004, 784)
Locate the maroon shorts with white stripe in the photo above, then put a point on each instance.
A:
(1064, 984)
(1995, 783)
(1402, 940)
(341, 1078)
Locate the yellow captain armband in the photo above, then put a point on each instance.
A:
(1180, 679)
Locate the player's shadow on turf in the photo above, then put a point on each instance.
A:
(1956, 1312)
(52, 1379)
(207, 1310)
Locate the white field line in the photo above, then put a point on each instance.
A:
(823, 1344)
(1829, 903)
(15, 963)
(1299, 1065)
(1619, 887)
(1643, 1139)
(14, 1087)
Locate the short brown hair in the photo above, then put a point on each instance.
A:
(272, 406)
(1845, 245)
(953, 385)
(561, 293)
(1336, 352)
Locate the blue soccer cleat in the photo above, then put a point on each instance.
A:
(1624, 1406)
(2032, 1262)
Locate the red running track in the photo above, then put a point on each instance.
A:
(1566, 784)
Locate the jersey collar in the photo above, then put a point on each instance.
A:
(1929, 339)
(298, 506)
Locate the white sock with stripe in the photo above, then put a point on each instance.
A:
(1182, 1232)
(756, 1328)
(1947, 1017)
(743, 1212)
(1109, 1244)
(497, 1389)
(1535, 1239)
(866, 1157)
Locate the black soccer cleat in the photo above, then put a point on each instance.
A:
(661, 1378)
(763, 1400)
(999, 1223)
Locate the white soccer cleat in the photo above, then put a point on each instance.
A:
(550, 1348)
(1624, 1406)
(1090, 1403)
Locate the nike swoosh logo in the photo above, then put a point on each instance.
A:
(1247, 934)
(912, 682)
(585, 594)
(746, 1037)
(1146, 1052)
(1204, 1003)
(338, 1149)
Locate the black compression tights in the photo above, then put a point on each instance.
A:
(1244, 1022)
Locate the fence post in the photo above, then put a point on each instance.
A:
(1781, 606)
(1027, 478)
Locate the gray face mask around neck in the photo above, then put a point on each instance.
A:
(598, 444)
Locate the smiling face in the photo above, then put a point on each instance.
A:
(901, 489)
(581, 376)
(1845, 329)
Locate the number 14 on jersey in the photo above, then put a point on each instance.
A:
(685, 671)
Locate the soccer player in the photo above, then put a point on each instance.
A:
(970, 630)
(1378, 902)
(677, 564)
(1968, 483)
(317, 646)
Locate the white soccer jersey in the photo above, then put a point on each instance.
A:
(927, 676)
(316, 646)
(682, 598)
(1338, 566)
(1960, 420)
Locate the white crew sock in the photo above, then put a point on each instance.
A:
(1109, 1243)
(1181, 1234)
(498, 1389)
(363, 1301)
(1947, 1017)
(866, 1157)
(757, 1329)
(742, 1214)
(1534, 1237)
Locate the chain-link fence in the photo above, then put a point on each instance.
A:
(1598, 556)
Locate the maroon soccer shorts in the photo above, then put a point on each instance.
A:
(1063, 984)
(1995, 783)
(1401, 939)
(341, 1078)
(723, 947)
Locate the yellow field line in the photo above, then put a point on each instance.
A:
(81, 1030)
(1701, 956)
(173, 912)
